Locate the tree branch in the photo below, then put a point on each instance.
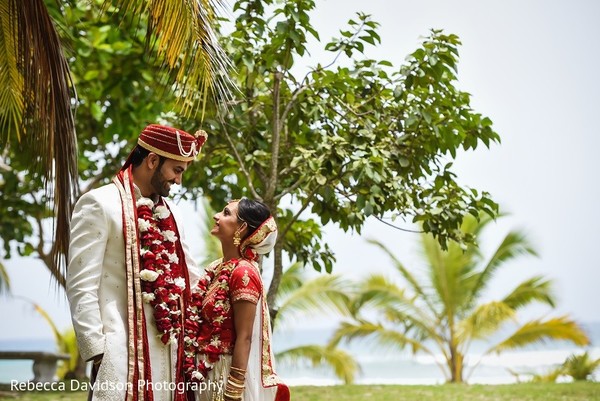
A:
(258, 169)
(239, 159)
(398, 228)
(303, 86)
(292, 101)
(293, 220)
(308, 199)
(290, 188)
(276, 135)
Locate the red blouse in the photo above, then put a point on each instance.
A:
(245, 284)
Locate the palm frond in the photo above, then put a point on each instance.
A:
(513, 245)
(291, 279)
(68, 346)
(47, 137)
(549, 376)
(343, 364)
(323, 293)
(57, 334)
(183, 34)
(4, 280)
(452, 275)
(534, 289)
(412, 281)
(485, 320)
(374, 333)
(539, 331)
(11, 78)
(378, 292)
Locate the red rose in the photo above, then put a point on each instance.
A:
(191, 326)
(163, 325)
(161, 283)
(161, 313)
(211, 349)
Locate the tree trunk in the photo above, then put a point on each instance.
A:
(274, 287)
(456, 366)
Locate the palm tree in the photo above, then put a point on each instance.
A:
(580, 367)
(37, 93)
(442, 310)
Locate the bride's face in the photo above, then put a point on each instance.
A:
(226, 222)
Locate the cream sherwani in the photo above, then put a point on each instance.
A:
(96, 288)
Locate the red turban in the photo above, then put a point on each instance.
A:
(170, 142)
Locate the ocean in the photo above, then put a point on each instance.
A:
(377, 366)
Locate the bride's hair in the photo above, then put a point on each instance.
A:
(253, 212)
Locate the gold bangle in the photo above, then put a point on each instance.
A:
(236, 380)
(235, 386)
(238, 370)
(233, 396)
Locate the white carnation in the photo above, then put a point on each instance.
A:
(148, 275)
(143, 225)
(180, 282)
(148, 297)
(169, 236)
(162, 212)
(173, 258)
(145, 202)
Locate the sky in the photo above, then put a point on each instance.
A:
(531, 66)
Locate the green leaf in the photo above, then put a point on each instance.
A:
(91, 74)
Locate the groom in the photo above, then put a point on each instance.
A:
(130, 272)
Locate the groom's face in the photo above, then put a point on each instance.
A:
(167, 173)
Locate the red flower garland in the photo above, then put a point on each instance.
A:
(161, 276)
(196, 343)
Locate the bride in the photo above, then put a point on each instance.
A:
(227, 328)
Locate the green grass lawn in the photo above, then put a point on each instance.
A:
(514, 392)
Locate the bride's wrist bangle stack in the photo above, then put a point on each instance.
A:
(235, 385)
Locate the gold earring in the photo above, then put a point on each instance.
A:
(236, 238)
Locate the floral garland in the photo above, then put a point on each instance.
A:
(197, 370)
(162, 281)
